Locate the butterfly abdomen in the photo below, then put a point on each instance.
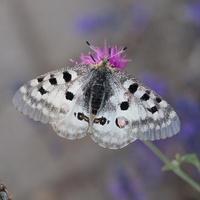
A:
(97, 97)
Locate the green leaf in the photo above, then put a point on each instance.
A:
(190, 159)
(176, 163)
(171, 166)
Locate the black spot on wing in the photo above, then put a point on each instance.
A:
(124, 105)
(53, 81)
(158, 99)
(67, 76)
(42, 91)
(116, 122)
(133, 88)
(80, 116)
(153, 109)
(40, 79)
(103, 120)
(69, 95)
(148, 91)
(145, 97)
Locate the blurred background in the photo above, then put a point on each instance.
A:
(163, 39)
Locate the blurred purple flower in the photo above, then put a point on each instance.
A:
(190, 114)
(95, 22)
(192, 12)
(136, 17)
(123, 186)
(155, 83)
(189, 110)
(143, 156)
(141, 16)
(114, 55)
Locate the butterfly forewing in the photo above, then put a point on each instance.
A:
(52, 98)
(156, 118)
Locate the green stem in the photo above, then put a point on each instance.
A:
(173, 166)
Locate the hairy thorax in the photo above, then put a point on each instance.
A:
(97, 91)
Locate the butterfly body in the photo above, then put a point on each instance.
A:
(98, 100)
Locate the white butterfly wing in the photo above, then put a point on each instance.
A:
(52, 98)
(156, 119)
(69, 126)
(109, 135)
(134, 112)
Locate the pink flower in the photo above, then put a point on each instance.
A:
(114, 55)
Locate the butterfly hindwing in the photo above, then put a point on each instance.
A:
(69, 125)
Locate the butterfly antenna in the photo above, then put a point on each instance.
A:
(118, 53)
(91, 47)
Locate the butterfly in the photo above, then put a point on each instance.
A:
(97, 98)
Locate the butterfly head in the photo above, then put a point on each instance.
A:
(112, 57)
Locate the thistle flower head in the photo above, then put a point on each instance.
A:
(114, 55)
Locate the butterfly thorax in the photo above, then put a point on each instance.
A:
(98, 90)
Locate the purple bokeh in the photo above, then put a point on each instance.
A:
(140, 17)
(95, 22)
(137, 16)
(155, 83)
(192, 12)
(125, 186)
(189, 110)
